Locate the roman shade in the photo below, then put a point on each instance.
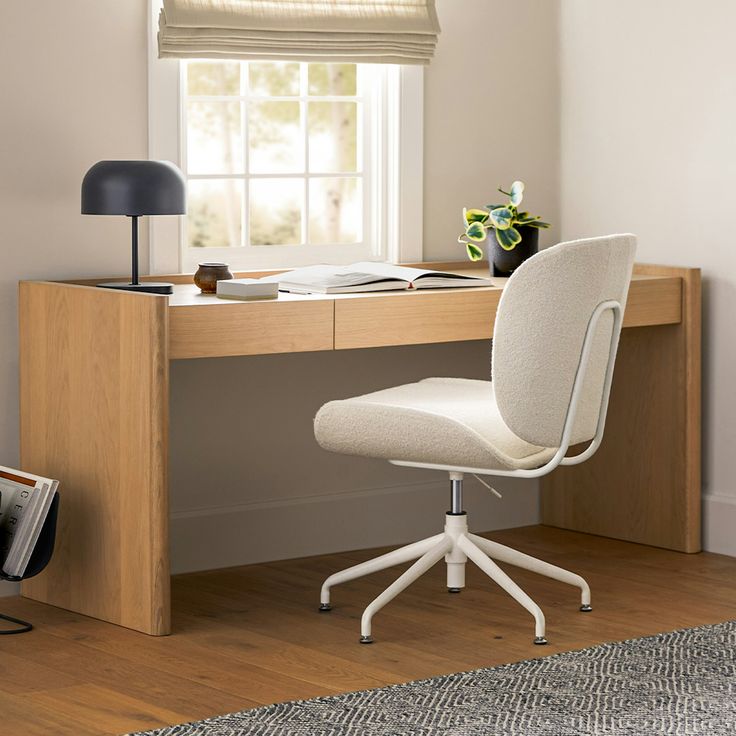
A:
(368, 31)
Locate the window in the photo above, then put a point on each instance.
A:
(287, 163)
(274, 154)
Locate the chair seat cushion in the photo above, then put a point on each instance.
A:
(442, 421)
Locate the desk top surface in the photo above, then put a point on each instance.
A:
(188, 295)
(196, 325)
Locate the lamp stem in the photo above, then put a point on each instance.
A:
(134, 268)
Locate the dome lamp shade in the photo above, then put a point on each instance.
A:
(134, 189)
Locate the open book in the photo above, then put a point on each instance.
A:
(25, 501)
(367, 276)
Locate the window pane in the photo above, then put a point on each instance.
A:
(275, 137)
(274, 78)
(335, 211)
(333, 140)
(332, 79)
(214, 140)
(213, 78)
(276, 211)
(214, 213)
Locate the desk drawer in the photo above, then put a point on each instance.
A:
(411, 318)
(250, 328)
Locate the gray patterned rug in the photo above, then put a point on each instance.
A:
(681, 683)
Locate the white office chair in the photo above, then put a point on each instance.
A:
(554, 347)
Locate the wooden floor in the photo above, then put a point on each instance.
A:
(252, 635)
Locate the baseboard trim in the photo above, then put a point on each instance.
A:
(719, 524)
(205, 539)
(265, 531)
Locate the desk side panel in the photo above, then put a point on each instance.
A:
(644, 485)
(251, 328)
(94, 413)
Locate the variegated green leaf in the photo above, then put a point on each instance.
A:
(494, 206)
(474, 252)
(517, 193)
(539, 224)
(474, 215)
(524, 218)
(501, 218)
(509, 238)
(475, 231)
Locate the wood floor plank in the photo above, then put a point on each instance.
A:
(103, 710)
(19, 675)
(31, 718)
(187, 655)
(142, 681)
(252, 635)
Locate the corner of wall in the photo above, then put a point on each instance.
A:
(719, 523)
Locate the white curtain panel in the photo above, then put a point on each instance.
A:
(369, 31)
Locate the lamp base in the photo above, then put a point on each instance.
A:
(147, 287)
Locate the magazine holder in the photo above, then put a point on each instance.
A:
(39, 559)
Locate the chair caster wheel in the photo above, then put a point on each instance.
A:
(454, 590)
(366, 640)
(324, 607)
(540, 640)
(586, 608)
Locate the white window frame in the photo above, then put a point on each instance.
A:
(395, 176)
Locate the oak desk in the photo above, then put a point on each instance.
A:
(94, 373)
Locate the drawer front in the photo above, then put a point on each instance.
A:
(417, 317)
(250, 328)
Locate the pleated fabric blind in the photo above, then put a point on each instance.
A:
(369, 31)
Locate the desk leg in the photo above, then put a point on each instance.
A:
(94, 414)
(643, 484)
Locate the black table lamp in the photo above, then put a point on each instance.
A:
(134, 188)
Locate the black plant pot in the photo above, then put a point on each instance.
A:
(505, 262)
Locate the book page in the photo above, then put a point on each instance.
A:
(408, 273)
(320, 271)
(391, 270)
(27, 537)
(335, 277)
(14, 501)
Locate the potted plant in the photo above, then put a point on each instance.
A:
(516, 233)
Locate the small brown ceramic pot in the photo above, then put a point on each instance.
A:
(209, 273)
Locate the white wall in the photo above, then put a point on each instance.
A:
(491, 114)
(649, 145)
(73, 91)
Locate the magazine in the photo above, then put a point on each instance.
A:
(25, 501)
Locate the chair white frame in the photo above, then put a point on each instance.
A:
(457, 544)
